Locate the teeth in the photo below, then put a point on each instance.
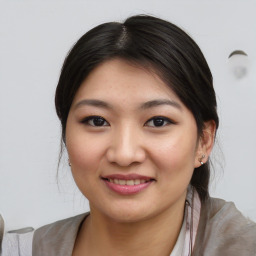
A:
(122, 182)
(127, 182)
(136, 182)
(130, 182)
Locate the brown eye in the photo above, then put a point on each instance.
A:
(95, 121)
(158, 121)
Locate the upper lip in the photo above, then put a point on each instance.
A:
(131, 176)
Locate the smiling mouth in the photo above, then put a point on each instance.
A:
(126, 182)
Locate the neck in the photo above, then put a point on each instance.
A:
(154, 236)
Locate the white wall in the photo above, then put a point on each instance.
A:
(34, 38)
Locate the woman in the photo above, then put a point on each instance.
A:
(138, 114)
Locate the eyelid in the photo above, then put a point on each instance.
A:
(166, 119)
(89, 118)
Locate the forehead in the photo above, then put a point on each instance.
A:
(118, 80)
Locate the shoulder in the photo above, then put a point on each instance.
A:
(224, 229)
(57, 238)
(227, 218)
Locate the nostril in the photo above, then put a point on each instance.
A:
(125, 156)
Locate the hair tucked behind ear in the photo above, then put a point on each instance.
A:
(152, 43)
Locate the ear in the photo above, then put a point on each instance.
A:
(205, 143)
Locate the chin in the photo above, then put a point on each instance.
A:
(128, 218)
(128, 214)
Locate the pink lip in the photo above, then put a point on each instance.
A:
(126, 189)
(131, 176)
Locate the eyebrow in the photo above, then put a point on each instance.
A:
(146, 105)
(159, 102)
(91, 102)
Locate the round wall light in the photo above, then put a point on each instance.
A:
(239, 63)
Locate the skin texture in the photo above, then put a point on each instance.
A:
(128, 142)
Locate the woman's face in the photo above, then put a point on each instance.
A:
(132, 143)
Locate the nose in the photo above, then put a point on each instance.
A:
(126, 147)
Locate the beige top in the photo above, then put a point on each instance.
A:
(58, 239)
(222, 230)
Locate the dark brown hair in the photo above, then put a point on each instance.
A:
(155, 44)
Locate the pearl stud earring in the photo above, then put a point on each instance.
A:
(201, 159)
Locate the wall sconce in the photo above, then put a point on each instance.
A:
(238, 63)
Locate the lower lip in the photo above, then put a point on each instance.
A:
(127, 190)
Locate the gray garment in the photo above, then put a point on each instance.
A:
(57, 239)
(222, 230)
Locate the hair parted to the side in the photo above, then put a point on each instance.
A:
(154, 44)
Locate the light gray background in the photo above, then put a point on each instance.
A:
(34, 39)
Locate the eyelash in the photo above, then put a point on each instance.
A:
(93, 118)
(166, 120)
(88, 119)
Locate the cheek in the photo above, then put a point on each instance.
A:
(84, 151)
(175, 155)
(85, 161)
(81, 152)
